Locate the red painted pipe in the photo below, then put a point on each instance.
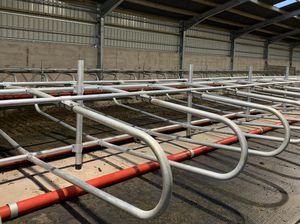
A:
(29, 205)
(91, 148)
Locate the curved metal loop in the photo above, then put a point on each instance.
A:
(240, 136)
(156, 149)
(285, 123)
(153, 145)
(161, 206)
(198, 113)
(95, 75)
(72, 76)
(10, 74)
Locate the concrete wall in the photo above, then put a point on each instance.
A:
(296, 64)
(131, 41)
(243, 63)
(278, 62)
(206, 62)
(14, 53)
(122, 58)
(32, 54)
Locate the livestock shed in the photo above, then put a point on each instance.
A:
(150, 111)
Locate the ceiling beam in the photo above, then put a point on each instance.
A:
(241, 13)
(266, 23)
(214, 11)
(163, 7)
(108, 6)
(185, 12)
(271, 7)
(284, 35)
(295, 44)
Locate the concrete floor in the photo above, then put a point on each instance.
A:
(268, 191)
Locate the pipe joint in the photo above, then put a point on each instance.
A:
(70, 103)
(145, 98)
(14, 210)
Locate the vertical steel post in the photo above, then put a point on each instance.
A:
(79, 117)
(250, 75)
(287, 72)
(291, 55)
(190, 102)
(232, 52)
(266, 54)
(181, 49)
(286, 77)
(99, 39)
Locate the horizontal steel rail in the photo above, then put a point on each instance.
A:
(42, 87)
(154, 146)
(198, 113)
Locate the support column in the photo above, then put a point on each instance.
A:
(291, 55)
(99, 37)
(79, 117)
(266, 54)
(190, 103)
(232, 52)
(250, 79)
(181, 49)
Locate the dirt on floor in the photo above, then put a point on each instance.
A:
(267, 191)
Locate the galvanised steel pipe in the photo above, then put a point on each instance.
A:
(283, 121)
(293, 88)
(152, 143)
(142, 83)
(287, 134)
(63, 150)
(60, 151)
(281, 92)
(121, 95)
(207, 129)
(137, 212)
(211, 116)
(264, 97)
(166, 175)
(151, 132)
(273, 99)
(50, 198)
(79, 118)
(143, 155)
(99, 118)
(222, 176)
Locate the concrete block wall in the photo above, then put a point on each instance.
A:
(243, 63)
(126, 58)
(131, 42)
(278, 62)
(206, 62)
(15, 53)
(296, 64)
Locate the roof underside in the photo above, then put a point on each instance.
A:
(232, 19)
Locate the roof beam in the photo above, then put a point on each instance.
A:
(214, 11)
(241, 13)
(295, 44)
(163, 7)
(172, 9)
(266, 23)
(284, 35)
(271, 7)
(108, 6)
